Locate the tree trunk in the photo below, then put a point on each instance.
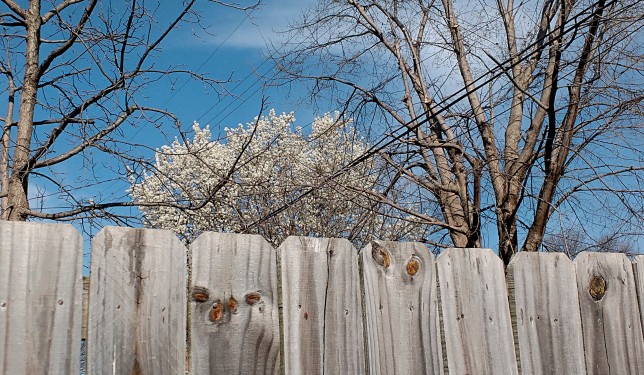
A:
(508, 242)
(4, 155)
(17, 203)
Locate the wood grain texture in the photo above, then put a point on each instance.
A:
(401, 309)
(40, 298)
(610, 314)
(85, 307)
(638, 271)
(475, 312)
(545, 308)
(137, 299)
(322, 310)
(234, 309)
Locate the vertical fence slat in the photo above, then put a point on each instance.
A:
(40, 298)
(610, 316)
(638, 270)
(137, 300)
(475, 312)
(401, 310)
(543, 288)
(322, 310)
(234, 320)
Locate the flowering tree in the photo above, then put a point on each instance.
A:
(238, 183)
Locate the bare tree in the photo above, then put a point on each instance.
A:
(78, 73)
(550, 121)
(574, 240)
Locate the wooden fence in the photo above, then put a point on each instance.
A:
(313, 306)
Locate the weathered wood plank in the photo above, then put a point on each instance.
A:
(85, 307)
(137, 314)
(475, 312)
(545, 308)
(401, 309)
(234, 321)
(638, 271)
(322, 309)
(40, 298)
(610, 315)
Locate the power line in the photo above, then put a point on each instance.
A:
(234, 88)
(383, 143)
(212, 54)
(257, 80)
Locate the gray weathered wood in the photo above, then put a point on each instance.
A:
(638, 270)
(85, 305)
(40, 298)
(475, 312)
(401, 309)
(610, 315)
(234, 322)
(322, 309)
(545, 308)
(137, 313)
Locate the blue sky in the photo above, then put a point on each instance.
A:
(236, 47)
(228, 45)
(232, 48)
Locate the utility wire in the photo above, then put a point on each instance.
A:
(257, 80)
(383, 143)
(212, 54)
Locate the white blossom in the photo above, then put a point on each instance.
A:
(277, 163)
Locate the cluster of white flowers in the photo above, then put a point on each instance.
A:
(273, 163)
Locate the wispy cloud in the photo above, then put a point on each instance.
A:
(253, 29)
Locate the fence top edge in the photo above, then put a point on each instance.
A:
(637, 259)
(469, 254)
(25, 224)
(121, 231)
(540, 256)
(214, 236)
(296, 240)
(397, 250)
(602, 256)
(71, 234)
(387, 243)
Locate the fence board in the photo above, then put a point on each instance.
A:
(85, 304)
(40, 298)
(475, 312)
(638, 270)
(612, 328)
(322, 309)
(401, 309)
(234, 310)
(543, 288)
(137, 300)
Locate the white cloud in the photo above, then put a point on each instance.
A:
(262, 25)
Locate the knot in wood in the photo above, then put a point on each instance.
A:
(380, 255)
(232, 304)
(216, 312)
(597, 288)
(200, 294)
(413, 265)
(253, 298)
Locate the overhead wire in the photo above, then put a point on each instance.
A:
(258, 79)
(212, 54)
(459, 95)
